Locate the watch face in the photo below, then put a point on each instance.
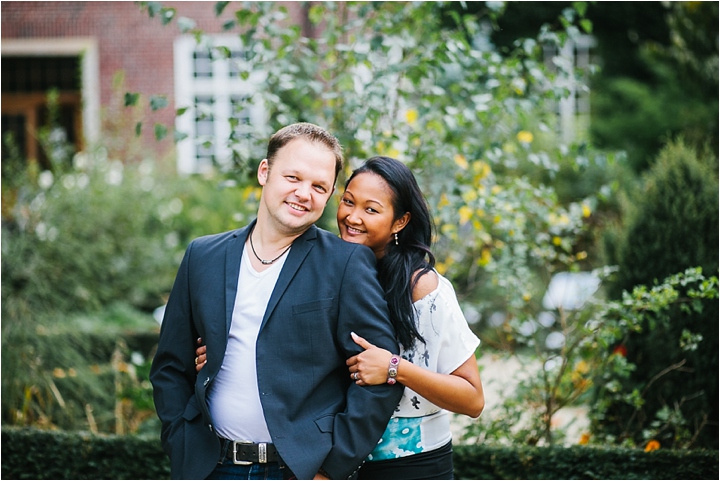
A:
(392, 372)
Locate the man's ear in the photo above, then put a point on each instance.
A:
(263, 172)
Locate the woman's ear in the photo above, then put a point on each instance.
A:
(400, 224)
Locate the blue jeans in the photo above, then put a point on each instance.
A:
(228, 470)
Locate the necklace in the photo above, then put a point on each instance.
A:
(266, 262)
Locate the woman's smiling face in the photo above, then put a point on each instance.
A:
(366, 215)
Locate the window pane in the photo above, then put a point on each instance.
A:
(29, 74)
(202, 64)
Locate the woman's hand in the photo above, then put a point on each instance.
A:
(370, 367)
(200, 355)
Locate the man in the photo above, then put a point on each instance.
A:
(275, 303)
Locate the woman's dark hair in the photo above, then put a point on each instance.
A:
(403, 264)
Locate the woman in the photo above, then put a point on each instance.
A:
(383, 208)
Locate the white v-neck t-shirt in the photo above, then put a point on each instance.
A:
(234, 399)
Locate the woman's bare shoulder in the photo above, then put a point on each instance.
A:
(426, 283)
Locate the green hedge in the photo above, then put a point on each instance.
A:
(35, 454)
(582, 462)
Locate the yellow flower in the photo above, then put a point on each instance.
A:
(525, 137)
(447, 229)
(481, 169)
(586, 210)
(582, 367)
(652, 445)
(555, 219)
(584, 439)
(485, 257)
(411, 116)
(443, 201)
(461, 161)
(247, 192)
(465, 214)
(470, 195)
(556, 240)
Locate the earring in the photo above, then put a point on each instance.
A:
(396, 239)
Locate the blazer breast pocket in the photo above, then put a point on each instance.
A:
(312, 306)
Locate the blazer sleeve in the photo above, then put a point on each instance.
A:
(172, 373)
(363, 310)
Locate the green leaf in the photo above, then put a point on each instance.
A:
(131, 98)
(167, 15)
(178, 136)
(224, 51)
(586, 25)
(315, 14)
(138, 129)
(154, 8)
(158, 102)
(581, 8)
(160, 131)
(220, 7)
(247, 17)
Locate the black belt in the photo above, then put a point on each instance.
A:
(247, 452)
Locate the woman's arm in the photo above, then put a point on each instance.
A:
(460, 391)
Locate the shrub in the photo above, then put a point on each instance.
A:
(671, 225)
(81, 372)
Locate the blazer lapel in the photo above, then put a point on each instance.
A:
(233, 256)
(299, 251)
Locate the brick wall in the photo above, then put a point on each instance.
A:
(128, 40)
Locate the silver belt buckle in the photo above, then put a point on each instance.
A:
(235, 451)
(262, 453)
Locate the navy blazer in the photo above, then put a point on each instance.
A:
(315, 414)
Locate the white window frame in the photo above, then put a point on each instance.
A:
(574, 109)
(222, 88)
